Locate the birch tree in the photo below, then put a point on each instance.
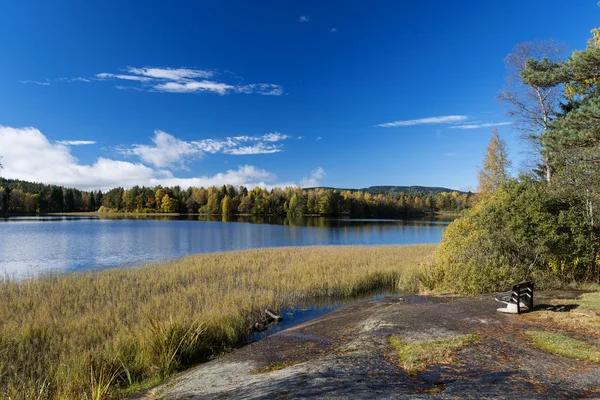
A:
(495, 165)
(532, 106)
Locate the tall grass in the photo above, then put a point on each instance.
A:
(96, 335)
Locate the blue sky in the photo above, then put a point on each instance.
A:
(274, 93)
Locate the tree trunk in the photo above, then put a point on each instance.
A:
(548, 167)
(273, 316)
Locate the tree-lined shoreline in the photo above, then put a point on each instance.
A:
(26, 197)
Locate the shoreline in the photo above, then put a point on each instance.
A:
(234, 215)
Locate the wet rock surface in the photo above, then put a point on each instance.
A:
(346, 355)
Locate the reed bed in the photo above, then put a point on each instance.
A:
(106, 334)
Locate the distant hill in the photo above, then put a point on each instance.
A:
(398, 189)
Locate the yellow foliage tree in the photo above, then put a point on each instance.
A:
(495, 165)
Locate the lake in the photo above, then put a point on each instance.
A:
(30, 246)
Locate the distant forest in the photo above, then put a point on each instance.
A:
(26, 197)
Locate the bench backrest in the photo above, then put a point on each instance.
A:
(523, 292)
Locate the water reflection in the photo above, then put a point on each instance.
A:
(314, 308)
(30, 246)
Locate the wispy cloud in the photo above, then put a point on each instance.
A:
(445, 119)
(75, 142)
(175, 80)
(449, 154)
(48, 82)
(334, 30)
(480, 125)
(259, 148)
(455, 122)
(303, 18)
(76, 79)
(193, 86)
(105, 75)
(36, 83)
(319, 138)
(274, 137)
(237, 145)
(174, 74)
(267, 89)
(186, 80)
(167, 151)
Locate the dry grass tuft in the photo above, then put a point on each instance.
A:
(273, 367)
(102, 334)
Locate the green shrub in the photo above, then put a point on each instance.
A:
(521, 231)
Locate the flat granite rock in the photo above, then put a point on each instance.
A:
(346, 355)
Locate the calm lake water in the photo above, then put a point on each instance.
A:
(33, 245)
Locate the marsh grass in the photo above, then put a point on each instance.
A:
(102, 334)
(563, 345)
(415, 357)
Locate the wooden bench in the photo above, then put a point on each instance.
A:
(519, 295)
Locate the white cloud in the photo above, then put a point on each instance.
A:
(274, 137)
(259, 148)
(303, 18)
(482, 125)
(70, 80)
(179, 80)
(194, 86)
(79, 80)
(233, 145)
(105, 75)
(446, 119)
(245, 175)
(36, 83)
(214, 146)
(267, 89)
(453, 120)
(334, 30)
(167, 150)
(313, 181)
(29, 155)
(174, 74)
(319, 138)
(75, 142)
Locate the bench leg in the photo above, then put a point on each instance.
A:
(511, 308)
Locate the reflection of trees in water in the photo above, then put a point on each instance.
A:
(366, 225)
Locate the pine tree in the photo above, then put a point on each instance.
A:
(495, 165)
(575, 133)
